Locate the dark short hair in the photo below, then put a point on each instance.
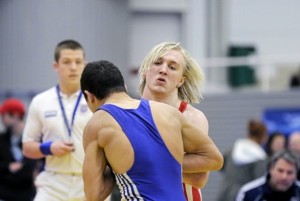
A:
(67, 44)
(102, 78)
(286, 155)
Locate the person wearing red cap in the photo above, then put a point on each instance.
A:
(13, 106)
(16, 171)
(54, 128)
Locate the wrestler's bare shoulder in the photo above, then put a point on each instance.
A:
(196, 117)
(192, 111)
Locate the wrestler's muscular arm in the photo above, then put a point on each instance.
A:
(97, 176)
(202, 155)
(197, 118)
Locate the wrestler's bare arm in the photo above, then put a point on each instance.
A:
(202, 155)
(97, 176)
(197, 118)
(197, 180)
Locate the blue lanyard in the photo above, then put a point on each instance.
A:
(64, 113)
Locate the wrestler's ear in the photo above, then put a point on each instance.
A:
(89, 96)
(180, 83)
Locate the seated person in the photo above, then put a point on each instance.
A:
(278, 185)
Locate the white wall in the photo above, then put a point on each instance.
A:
(273, 26)
(30, 30)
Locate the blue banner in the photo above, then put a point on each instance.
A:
(284, 120)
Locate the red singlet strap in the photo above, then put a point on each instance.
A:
(182, 106)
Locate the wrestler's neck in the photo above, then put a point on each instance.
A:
(170, 99)
(119, 97)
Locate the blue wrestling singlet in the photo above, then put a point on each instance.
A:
(155, 174)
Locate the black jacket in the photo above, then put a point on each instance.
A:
(259, 190)
(19, 185)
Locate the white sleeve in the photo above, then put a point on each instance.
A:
(33, 126)
(240, 196)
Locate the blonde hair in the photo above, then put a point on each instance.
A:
(190, 91)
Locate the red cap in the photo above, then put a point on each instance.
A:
(13, 106)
